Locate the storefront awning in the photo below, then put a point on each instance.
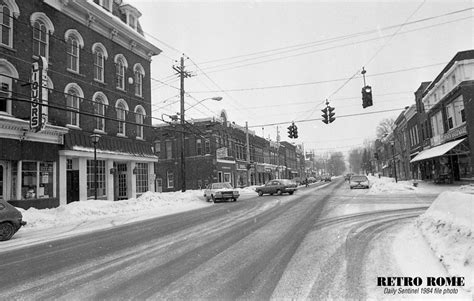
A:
(437, 150)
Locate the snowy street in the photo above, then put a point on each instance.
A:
(326, 241)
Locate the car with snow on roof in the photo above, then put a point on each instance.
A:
(221, 192)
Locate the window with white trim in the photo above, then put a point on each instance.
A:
(140, 117)
(72, 103)
(449, 116)
(8, 73)
(73, 54)
(40, 39)
(100, 55)
(170, 179)
(6, 22)
(99, 111)
(139, 73)
(101, 178)
(120, 66)
(458, 107)
(121, 114)
(142, 177)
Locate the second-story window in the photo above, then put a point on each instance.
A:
(99, 111)
(139, 73)
(40, 39)
(198, 147)
(169, 149)
(72, 100)
(73, 54)
(207, 146)
(140, 117)
(6, 24)
(99, 65)
(121, 115)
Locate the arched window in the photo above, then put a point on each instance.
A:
(74, 42)
(120, 66)
(100, 55)
(100, 103)
(122, 108)
(73, 97)
(139, 73)
(8, 72)
(8, 10)
(139, 119)
(42, 28)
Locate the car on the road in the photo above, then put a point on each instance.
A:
(359, 181)
(326, 178)
(221, 192)
(277, 186)
(311, 180)
(11, 220)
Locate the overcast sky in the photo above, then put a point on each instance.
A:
(277, 62)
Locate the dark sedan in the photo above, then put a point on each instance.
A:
(278, 186)
(11, 220)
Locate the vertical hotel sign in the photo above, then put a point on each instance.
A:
(39, 94)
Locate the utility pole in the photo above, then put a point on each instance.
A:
(182, 75)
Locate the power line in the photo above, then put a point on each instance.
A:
(340, 37)
(316, 119)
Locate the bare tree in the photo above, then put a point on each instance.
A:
(385, 127)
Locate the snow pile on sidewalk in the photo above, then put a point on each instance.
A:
(448, 226)
(149, 204)
(388, 185)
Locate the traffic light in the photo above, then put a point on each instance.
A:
(366, 96)
(325, 115)
(331, 114)
(290, 131)
(295, 131)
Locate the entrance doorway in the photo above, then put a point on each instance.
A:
(159, 185)
(72, 184)
(120, 182)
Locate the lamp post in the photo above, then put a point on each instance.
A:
(392, 143)
(95, 139)
(182, 121)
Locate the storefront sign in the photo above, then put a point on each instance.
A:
(39, 94)
(221, 153)
(454, 133)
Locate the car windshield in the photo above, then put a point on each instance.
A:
(359, 178)
(221, 185)
(286, 182)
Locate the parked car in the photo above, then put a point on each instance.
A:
(311, 180)
(11, 220)
(221, 192)
(326, 178)
(278, 186)
(359, 181)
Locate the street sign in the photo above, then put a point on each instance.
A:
(39, 94)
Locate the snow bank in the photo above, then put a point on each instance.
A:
(388, 185)
(448, 227)
(78, 212)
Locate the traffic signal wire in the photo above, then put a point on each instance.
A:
(317, 119)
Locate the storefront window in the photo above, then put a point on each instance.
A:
(464, 167)
(100, 178)
(36, 180)
(142, 177)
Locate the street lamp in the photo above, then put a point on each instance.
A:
(183, 164)
(95, 139)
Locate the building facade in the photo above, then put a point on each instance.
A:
(215, 150)
(69, 70)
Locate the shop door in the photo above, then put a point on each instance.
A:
(72, 183)
(122, 181)
(2, 181)
(159, 185)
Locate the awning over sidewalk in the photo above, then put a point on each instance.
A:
(437, 150)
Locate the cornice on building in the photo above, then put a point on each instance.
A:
(105, 23)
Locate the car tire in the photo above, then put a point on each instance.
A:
(234, 200)
(279, 192)
(6, 231)
(290, 192)
(260, 193)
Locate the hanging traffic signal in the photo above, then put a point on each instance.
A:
(295, 131)
(290, 131)
(331, 114)
(366, 96)
(325, 115)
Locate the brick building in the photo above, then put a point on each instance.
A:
(447, 102)
(215, 150)
(96, 80)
